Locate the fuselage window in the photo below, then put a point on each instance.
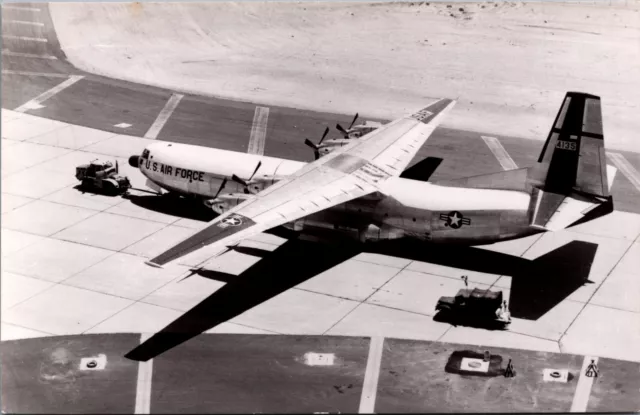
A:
(145, 154)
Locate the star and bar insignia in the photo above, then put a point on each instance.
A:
(454, 219)
(233, 220)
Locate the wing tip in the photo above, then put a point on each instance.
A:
(153, 264)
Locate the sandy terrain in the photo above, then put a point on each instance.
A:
(509, 63)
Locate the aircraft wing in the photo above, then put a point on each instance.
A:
(353, 171)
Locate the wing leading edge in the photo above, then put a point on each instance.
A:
(353, 171)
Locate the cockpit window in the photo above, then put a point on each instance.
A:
(145, 154)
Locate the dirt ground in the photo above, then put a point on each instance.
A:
(508, 63)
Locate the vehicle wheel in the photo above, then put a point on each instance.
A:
(87, 184)
(109, 188)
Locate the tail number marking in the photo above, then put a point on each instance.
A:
(566, 145)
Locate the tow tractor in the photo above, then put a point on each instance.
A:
(477, 305)
(102, 176)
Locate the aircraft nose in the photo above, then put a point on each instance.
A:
(133, 161)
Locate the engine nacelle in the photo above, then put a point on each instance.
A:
(224, 203)
(332, 145)
(258, 184)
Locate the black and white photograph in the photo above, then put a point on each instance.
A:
(320, 207)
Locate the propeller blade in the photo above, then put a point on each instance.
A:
(311, 144)
(342, 130)
(238, 180)
(117, 171)
(224, 182)
(256, 170)
(326, 131)
(353, 122)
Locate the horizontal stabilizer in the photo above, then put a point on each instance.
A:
(553, 212)
(570, 211)
(544, 206)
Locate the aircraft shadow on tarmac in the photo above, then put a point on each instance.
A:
(174, 206)
(537, 285)
(262, 281)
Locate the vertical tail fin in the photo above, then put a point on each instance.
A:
(570, 180)
(573, 157)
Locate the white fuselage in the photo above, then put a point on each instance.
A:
(403, 208)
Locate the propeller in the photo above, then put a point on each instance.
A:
(224, 182)
(316, 147)
(246, 183)
(324, 135)
(353, 121)
(345, 132)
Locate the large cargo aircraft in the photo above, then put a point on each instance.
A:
(363, 192)
(357, 190)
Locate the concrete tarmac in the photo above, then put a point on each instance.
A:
(236, 373)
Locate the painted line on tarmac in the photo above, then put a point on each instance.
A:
(23, 22)
(33, 39)
(48, 94)
(371, 375)
(258, 131)
(163, 117)
(626, 168)
(27, 55)
(31, 9)
(501, 154)
(24, 73)
(583, 390)
(143, 387)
